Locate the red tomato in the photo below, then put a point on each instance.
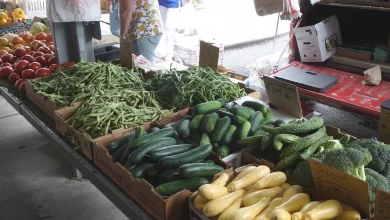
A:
(13, 60)
(28, 49)
(14, 77)
(34, 66)
(5, 71)
(19, 52)
(28, 74)
(5, 64)
(22, 88)
(54, 67)
(49, 38)
(44, 50)
(7, 58)
(69, 64)
(29, 58)
(18, 82)
(21, 65)
(51, 47)
(48, 57)
(42, 72)
(52, 60)
(41, 36)
(1, 62)
(37, 54)
(41, 60)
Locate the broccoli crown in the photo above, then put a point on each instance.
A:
(375, 181)
(321, 155)
(333, 144)
(349, 160)
(302, 174)
(380, 153)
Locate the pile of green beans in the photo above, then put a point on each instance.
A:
(178, 89)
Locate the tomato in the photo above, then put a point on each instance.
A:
(52, 60)
(13, 60)
(7, 58)
(5, 64)
(41, 60)
(41, 36)
(19, 52)
(69, 64)
(37, 54)
(54, 67)
(48, 57)
(49, 38)
(18, 82)
(14, 77)
(28, 74)
(22, 88)
(5, 71)
(29, 58)
(34, 66)
(28, 49)
(44, 50)
(42, 72)
(21, 65)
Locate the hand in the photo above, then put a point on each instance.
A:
(123, 36)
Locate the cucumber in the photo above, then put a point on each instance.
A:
(138, 155)
(118, 154)
(255, 121)
(267, 121)
(220, 129)
(190, 156)
(228, 107)
(267, 114)
(279, 122)
(257, 106)
(153, 171)
(243, 111)
(222, 101)
(192, 184)
(205, 139)
(199, 170)
(140, 170)
(308, 152)
(184, 129)
(154, 129)
(180, 141)
(267, 141)
(195, 137)
(139, 131)
(129, 167)
(243, 130)
(211, 123)
(116, 145)
(215, 146)
(162, 177)
(259, 132)
(277, 144)
(304, 143)
(229, 135)
(203, 123)
(288, 138)
(195, 123)
(161, 152)
(222, 114)
(206, 161)
(287, 162)
(165, 132)
(313, 124)
(207, 107)
(173, 176)
(223, 151)
(126, 154)
(238, 120)
(253, 140)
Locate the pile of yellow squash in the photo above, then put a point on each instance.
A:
(257, 194)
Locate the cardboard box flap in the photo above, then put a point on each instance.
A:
(328, 25)
(308, 32)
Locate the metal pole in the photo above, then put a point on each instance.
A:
(276, 33)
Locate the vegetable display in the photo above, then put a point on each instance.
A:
(263, 195)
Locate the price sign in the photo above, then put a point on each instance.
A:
(382, 205)
(384, 122)
(125, 53)
(283, 95)
(208, 55)
(341, 186)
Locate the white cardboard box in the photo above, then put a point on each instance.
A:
(318, 42)
(189, 53)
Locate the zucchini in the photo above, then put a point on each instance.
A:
(257, 106)
(288, 138)
(116, 145)
(165, 132)
(190, 156)
(140, 170)
(220, 129)
(345, 139)
(162, 177)
(161, 152)
(195, 123)
(243, 130)
(238, 120)
(153, 171)
(118, 154)
(313, 124)
(199, 169)
(203, 123)
(229, 135)
(222, 114)
(253, 140)
(304, 142)
(207, 107)
(259, 132)
(154, 129)
(277, 143)
(255, 121)
(168, 189)
(288, 161)
(184, 129)
(267, 141)
(211, 123)
(243, 111)
(223, 151)
(205, 139)
(139, 131)
(138, 155)
(308, 152)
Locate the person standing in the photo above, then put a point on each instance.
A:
(114, 18)
(141, 23)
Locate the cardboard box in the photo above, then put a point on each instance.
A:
(159, 207)
(46, 105)
(318, 42)
(189, 53)
(85, 142)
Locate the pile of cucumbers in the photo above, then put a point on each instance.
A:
(164, 160)
(227, 127)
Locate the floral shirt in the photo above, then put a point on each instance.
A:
(146, 21)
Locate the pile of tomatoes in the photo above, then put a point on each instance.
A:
(27, 57)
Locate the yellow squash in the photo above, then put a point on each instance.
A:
(260, 194)
(221, 180)
(271, 180)
(200, 202)
(233, 207)
(264, 215)
(307, 208)
(210, 192)
(217, 206)
(295, 203)
(349, 213)
(255, 175)
(295, 189)
(285, 186)
(326, 210)
(280, 214)
(243, 173)
(248, 213)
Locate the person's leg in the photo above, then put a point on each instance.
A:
(146, 46)
(163, 45)
(169, 31)
(114, 19)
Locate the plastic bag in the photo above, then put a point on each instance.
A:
(73, 11)
(187, 24)
(291, 10)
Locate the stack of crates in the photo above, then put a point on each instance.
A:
(34, 8)
(381, 54)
